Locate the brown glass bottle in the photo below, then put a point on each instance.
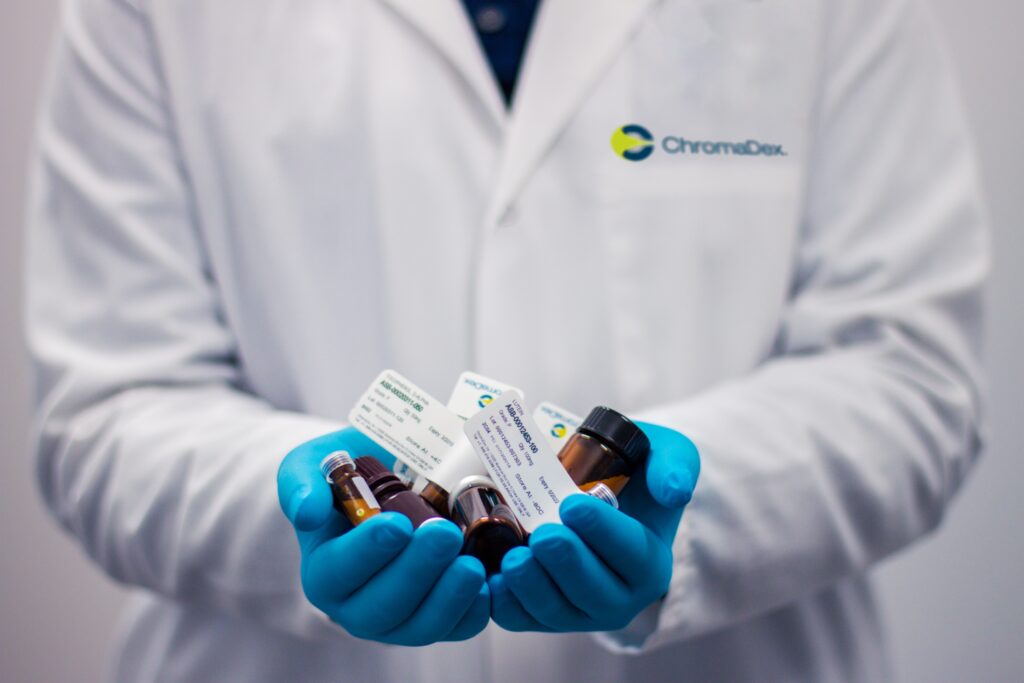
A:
(489, 527)
(606, 449)
(436, 496)
(392, 494)
(352, 495)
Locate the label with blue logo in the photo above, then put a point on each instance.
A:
(557, 423)
(472, 392)
(520, 460)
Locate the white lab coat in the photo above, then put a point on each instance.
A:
(244, 209)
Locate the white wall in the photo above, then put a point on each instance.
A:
(955, 603)
(56, 611)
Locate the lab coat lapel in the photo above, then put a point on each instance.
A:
(445, 24)
(572, 43)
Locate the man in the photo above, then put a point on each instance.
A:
(243, 210)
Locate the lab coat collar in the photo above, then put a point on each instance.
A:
(446, 24)
(572, 42)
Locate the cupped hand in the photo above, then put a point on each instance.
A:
(381, 580)
(602, 566)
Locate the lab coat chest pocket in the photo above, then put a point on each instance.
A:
(699, 258)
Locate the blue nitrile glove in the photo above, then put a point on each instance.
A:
(379, 581)
(604, 566)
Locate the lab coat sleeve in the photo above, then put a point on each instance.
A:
(849, 443)
(149, 451)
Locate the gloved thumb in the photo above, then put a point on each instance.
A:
(302, 490)
(672, 466)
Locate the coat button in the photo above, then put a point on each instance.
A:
(490, 19)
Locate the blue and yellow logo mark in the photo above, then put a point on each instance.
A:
(633, 142)
(558, 431)
(484, 400)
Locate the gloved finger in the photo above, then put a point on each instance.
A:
(476, 617)
(443, 608)
(632, 550)
(337, 568)
(303, 491)
(337, 525)
(507, 611)
(582, 577)
(636, 502)
(538, 594)
(394, 593)
(672, 466)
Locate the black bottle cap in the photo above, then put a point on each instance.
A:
(619, 433)
(382, 481)
(370, 466)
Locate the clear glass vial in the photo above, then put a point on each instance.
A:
(352, 495)
(605, 451)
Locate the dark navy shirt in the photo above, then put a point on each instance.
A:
(503, 26)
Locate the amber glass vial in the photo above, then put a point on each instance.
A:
(352, 496)
(437, 497)
(606, 449)
(394, 496)
(489, 527)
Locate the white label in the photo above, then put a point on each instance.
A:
(557, 424)
(406, 421)
(473, 393)
(519, 460)
(364, 491)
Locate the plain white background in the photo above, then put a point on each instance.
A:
(954, 603)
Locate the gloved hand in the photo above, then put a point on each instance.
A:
(379, 581)
(604, 566)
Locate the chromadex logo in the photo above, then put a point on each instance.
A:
(633, 142)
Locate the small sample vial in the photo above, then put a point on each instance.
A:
(605, 450)
(393, 495)
(460, 462)
(352, 496)
(489, 527)
(436, 496)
